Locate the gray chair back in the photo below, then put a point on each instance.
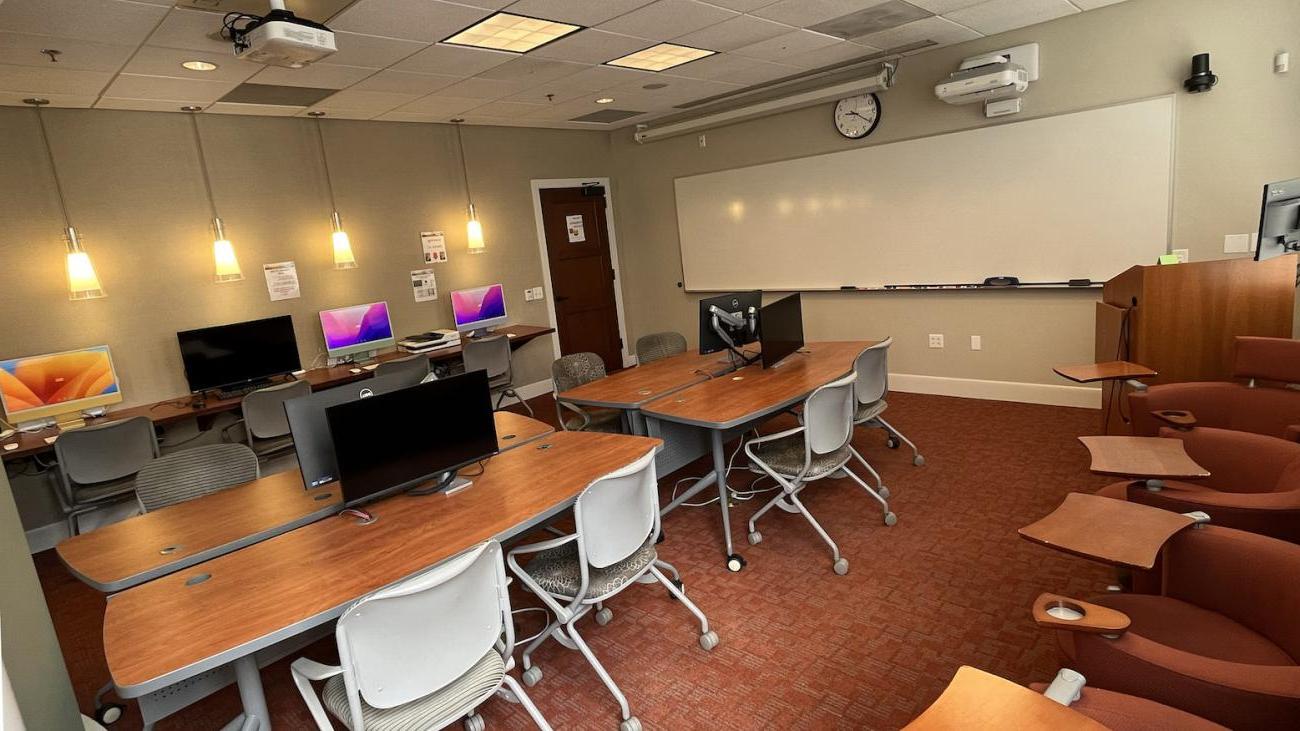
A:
(104, 452)
(576, 369)
(412, 368)
(263, 409)
(872, 371)
(491, 354)
(617, 512)
(828, 415)
(192, 473)
(656, 346)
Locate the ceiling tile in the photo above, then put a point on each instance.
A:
(318, 75)
(1094, 4)
(874, 19)
(69, 101)
(356, 49)
(729, 34)
(666, 19)
(997, 16)
(260, 110)
(600, 77)
(194, 30)
(528, 70)
(405, 82)
(21, 49)
(453, 61)
(803, 13)
(489, 4)
(941, 7)
(42, 80)
(438, 105)
(578, 12)
(131, 86)
(396, 116)
(416, 20)
(731, 68)
(592, 46)
(124, 23)
(939, 30)
(678, 90)
(154, 61)
(784, 46)
(362, 114)
(356, 100)
(141, 105)
(831, 55)
(743, 6)
(503, 109)
(558, 94)
(477, 88)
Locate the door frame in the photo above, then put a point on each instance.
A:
(538, 185)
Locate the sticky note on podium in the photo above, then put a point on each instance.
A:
(1168, 259)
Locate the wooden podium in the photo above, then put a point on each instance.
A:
(1180, 320)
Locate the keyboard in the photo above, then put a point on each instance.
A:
(238, 392)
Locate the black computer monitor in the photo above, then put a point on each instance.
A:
(412, 436)
(781, 326)
(238, 354)
(311, 431)
(741, 304)
(1279, 220)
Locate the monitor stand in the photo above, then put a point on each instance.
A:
(353, 358)
(477, 333)
(448, 482)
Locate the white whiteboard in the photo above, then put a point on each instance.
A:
(1080, 195)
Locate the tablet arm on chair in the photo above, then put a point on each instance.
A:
(1053, 611)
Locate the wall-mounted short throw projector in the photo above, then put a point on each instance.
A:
(278, 38)
(991, 77)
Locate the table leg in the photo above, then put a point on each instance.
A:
(249, 678)
(636, 422)
(735, 562)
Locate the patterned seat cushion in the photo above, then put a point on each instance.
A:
(785, 456)
(428, 712)
(556, 570)
(869, 411)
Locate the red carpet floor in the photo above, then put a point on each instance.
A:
(801, 648)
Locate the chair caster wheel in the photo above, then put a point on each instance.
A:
(755, 538)
(890, 518)
(475, 723)
(736, 562)
(883, 492)
(532, 676)
(709, 640)
(841, 566)
(603, 616)
(631, 724)
(109, 713)
(892, 443)
(918, 460)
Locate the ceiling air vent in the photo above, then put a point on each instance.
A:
(607, 116)
(280, 96)
(872, 20)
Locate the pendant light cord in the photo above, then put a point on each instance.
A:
(464, 171)
(203, 163)
(54, 170)
(329, 182)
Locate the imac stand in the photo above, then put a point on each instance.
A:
(353, 358)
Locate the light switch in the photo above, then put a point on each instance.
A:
(976, 342)
(1236, 243)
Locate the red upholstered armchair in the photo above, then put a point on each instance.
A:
(1220, 638)
(1263, 406)
(1254, 482)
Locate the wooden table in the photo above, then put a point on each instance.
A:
(1115, 370)
(979, 700)
(734, 402)
(225, 610)
(164, 541)
(1153, 458)
(1107, 530)
(178, 409)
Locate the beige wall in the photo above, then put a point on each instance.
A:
(134, 191)
(1229, 142)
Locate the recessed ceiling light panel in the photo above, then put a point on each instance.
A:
(605, 100)
(199, 66)
(510, 32)
(660, 57)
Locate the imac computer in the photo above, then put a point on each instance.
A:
(475, 310)
(1279, 220)
(360, 330)
(415, 437)
(729, 321)
(240, 357)
(311, 431)
(781, 328)
(44, 390)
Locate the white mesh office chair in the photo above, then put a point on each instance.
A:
(819, 448)
(616, 519)
(872, 370)
(656, 346)
(421, 653)
(492, 354)
(98, 465)
(413, 367)
(266, 426)
(192, 473)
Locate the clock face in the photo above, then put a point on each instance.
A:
(857, 116)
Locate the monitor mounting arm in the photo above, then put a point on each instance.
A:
(731, 320)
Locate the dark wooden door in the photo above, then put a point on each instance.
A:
(582, 275)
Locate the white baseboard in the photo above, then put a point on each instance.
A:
(1029, 393)
(46, 537)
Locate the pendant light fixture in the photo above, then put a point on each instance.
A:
(83, 284)
(343, 258)
(473, 229)
(226, 264)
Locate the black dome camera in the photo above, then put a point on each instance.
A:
(1201, 78)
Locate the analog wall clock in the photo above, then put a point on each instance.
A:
(857, 116)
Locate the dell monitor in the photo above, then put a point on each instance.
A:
(356, 330)
(475, 310)
(716, 329)
(239, 355)
(1279, 220)
(36, 390)
(781, 327)
(417, 435)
